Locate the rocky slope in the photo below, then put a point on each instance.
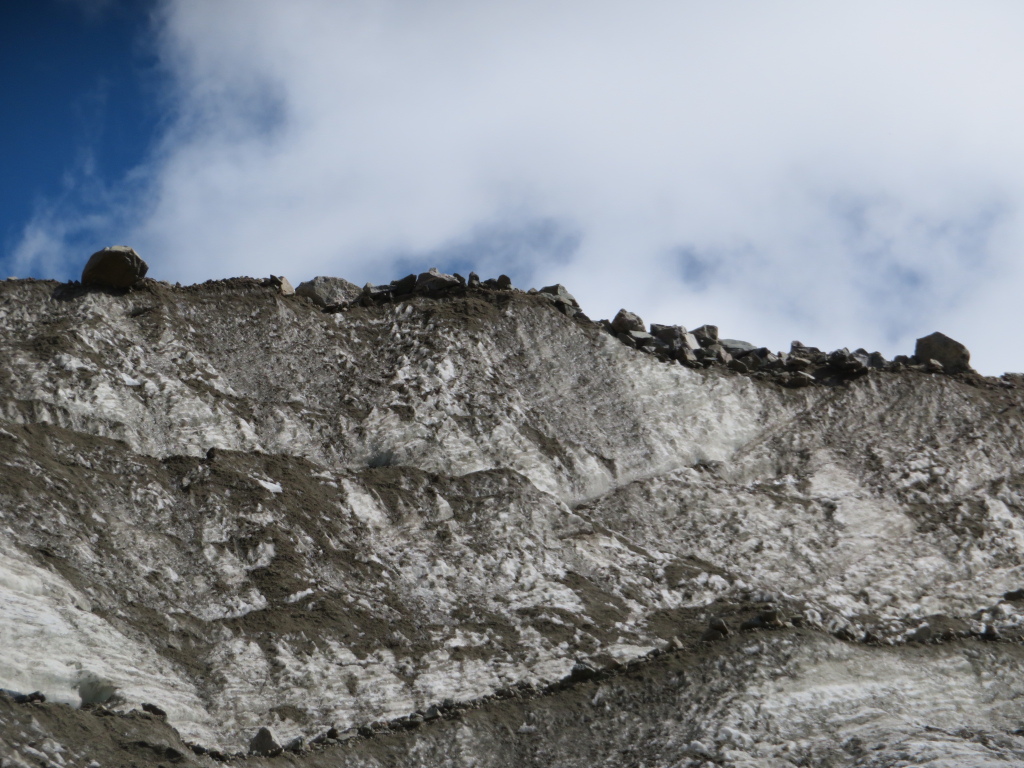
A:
(475, 528)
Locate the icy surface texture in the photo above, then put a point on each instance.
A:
(457, 498)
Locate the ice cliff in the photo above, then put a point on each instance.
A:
(471, 527)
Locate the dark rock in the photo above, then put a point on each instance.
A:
(626, 339)
(952, 355)
(25, 698)
(328, 291)
(504, 283)
(706, 334)
(558, 291)
(298, 744)
(670, 334)
(581, 672)
(263, 744)
(641, 338)
(718, 624)
(433, 282)
(474, 280)
(153, 709)
(738, 366)
(625, 321)
(404, 286)
(711, 636)
(1014, 595)
(933, 366)
(877, 360)
(115, 267)
(801, 379)
(431, 713)
(687, 357)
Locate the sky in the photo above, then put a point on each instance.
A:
(844, 174)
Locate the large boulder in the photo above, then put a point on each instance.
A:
(625, 321)
(952, 355)
(115, 267)
(264, 744)
(328, 291)
(561, 294)
(432, 282)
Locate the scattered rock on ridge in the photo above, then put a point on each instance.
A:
(706, 334)
(625, 321)
(115, 267)
(328, 291)
(284, 287)
(264, 744)
(953, 356)
(559, 292)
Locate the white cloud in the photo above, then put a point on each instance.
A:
(843, 173)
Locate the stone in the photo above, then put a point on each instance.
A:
(153, 709)
(739, 366)
(474, 280)
(641, 338)
(706, 334)
(404, 286)
(801, 379)
(581, 672)
(735, 347)
(281, 283)
(670, 334)
(687, 357)
(718, 624)
(953, 356)
(328, 291)
(625, 321)
(298, 744)
(504, 283)
(433, 282)
(263, 744)
(558, 290)
(689, 341)
(115, 267)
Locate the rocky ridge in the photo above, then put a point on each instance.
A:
(451, 522)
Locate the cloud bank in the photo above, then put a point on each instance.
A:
(843, 173)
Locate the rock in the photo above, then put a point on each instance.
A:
(153, 709)
(625, 321)
(739, 366)
(706, 334)
(115, 267)
(434, 282)
(281, 283)
(801, 379)
(735, 347)
(689, 341)
(558, 290)
(504, 283)
(641, 339)
(1014, 596)
(404, 286)
(581, 672)
(718, 624)
(952, 355)
(298, 744)
(474, 280)
(263, 744)
(328, 291)
(670, 334)
(933, 366)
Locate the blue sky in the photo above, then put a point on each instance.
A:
(846, 174)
